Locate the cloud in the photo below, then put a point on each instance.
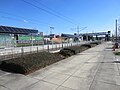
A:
(25, 21)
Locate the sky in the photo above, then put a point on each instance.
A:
(64, 15)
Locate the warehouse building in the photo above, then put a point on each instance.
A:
(10, 36)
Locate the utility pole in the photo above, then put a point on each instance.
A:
(116, 28)
(116, 44)
(78, 29)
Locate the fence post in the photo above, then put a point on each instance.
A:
(62, 45)
(52, 44)
(56, 47)
(12, 53)
(22, 51)
(48, 48)
(4, 56)
(42, 46)
(37, 49)
(59, 45)
(30, 49)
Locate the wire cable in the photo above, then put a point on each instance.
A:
(47, 11)
(28, 19)
(53, 10)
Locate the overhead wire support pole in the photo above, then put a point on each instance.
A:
(116, 43)
(116, 29)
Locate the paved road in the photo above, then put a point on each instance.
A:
(93, 69)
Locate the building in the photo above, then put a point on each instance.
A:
(10, 36)
(69, 38)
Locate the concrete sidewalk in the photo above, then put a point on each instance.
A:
(93, 69)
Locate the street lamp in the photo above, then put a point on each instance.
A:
(51, 28)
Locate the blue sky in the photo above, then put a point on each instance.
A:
(96, 15)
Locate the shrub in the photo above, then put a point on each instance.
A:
(74, 50)
(117, 53)
(29, 63)
(94, 43)
(83, 48)
(66, 53)
(87, 45)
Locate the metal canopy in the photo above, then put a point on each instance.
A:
(68, 36)
(14, 30)
(98, 33)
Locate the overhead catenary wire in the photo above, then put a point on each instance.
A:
(53, 10)
(24, 18)
(17, 20)
(49, 12)
(9, 18)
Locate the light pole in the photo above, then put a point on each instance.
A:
(51, 28)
